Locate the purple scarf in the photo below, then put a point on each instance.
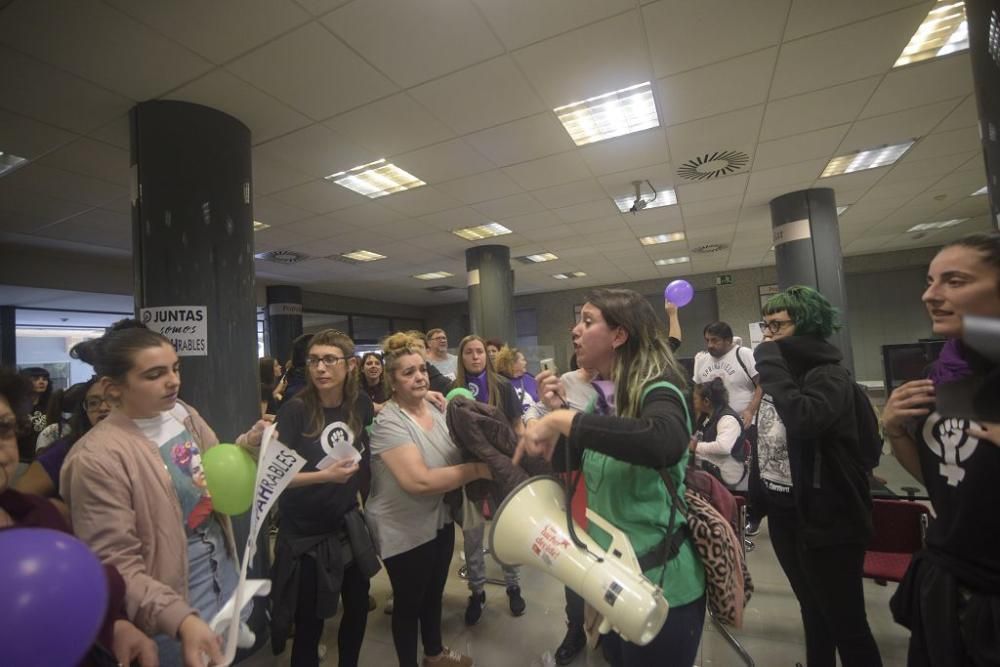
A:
(479, 387)
(951, 364)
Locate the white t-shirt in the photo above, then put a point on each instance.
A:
(447, 367)
(737, 381)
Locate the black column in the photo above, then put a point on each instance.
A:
(284, 319)
(491, 292)
(983, 17)
(807, 251)
(8, 336)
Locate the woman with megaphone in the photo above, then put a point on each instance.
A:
(639, 427)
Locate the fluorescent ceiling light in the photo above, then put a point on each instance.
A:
(433, 275)
(923, 227)
(257, 226)
(567, 276)
(665, 197)
(376, 179)
(10, 161)
(980, 191)
(480, 232)
(672, 260)
(661, 238)
(944, 31)
(866, 159)
(610, 115)
(841, 209)
(363, 256)
(536, 259)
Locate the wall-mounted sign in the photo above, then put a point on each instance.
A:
(284, 309)
(185, 326)
(792, 231)
(724, 279)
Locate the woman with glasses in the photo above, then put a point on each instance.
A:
(813, 472)
(42, 477)
(315, 562)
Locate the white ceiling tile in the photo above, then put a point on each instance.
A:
(443, 162)
(736, 130)
(367, 216)
(895, 127)
(549, 171)
(922, 83)
(94, 227)
(316, 150)
(98, 43)
(390, 126)
(522, 140)
(420, 201)
(328, 77)
(91, 158)
(729, 205)
(661, 176)
(219, 30)
(412, 42)
(713, 189)
(50, 182)
(627, 152)
(600, 225)
(906, 169)
(320, 7)
(685, 35)
(546, 232)
(37, 90)
(599, 58)
(25, 211)
(481, 96)
(28, 138)
(844, 54)
(763, 179)
(567, 194)
(808, 17)
(319, 197)
(481, 187)
(812, 111)
(274, 213)
(779, 152)
(964, 140)
(965, 115)
(319, 227)
(586, 211)
(509, 207)
(455, 218)
(271, 175)
(858, 180)
(522, 22)
(265, 116)
(115, 133)
(760, 197)
(708, 91)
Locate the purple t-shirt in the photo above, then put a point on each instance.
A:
(52, 458)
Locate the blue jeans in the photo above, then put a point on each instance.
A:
(212, 579)
(675, 646)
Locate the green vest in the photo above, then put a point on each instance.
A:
(634, 499)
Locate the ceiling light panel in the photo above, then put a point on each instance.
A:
(10, 161)
(671, 260)
(980, 191)
(944, 31)
(363, 256)
(376, 179)
(610, 115)
(258, 226)
(568, 276)
(537, 258)
(663, 198)
(662, 238)
(480, 232)
(866, 159)
(926, 226)
(433, 275)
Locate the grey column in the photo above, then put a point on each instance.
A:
(983, 18)
(807, 251)
(8, 336)
(491, 292)
(284, 319)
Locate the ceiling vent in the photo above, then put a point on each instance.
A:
(283, 256)
(713, 165)
(709, 248)
(440, 288)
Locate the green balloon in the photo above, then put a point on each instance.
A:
(460, 391)
(230, 474)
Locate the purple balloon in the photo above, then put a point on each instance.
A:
(53, 596)
(679, 293)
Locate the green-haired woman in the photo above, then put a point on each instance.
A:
(814, 478)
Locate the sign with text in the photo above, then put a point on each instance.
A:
(185, 326)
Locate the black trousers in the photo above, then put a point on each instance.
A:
(827, 584)
(418, 577)
(574, 609)
(309, 627)
(675, 646)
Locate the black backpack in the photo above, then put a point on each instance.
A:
(869, 433)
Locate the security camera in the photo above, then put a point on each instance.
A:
(640, 203)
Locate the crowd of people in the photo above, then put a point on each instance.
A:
(118, 458)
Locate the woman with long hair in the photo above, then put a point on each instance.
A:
(270, 375)
(136, 494)
(720, 428)
(950, 597)
(414, 463)
(813, 472)
(511, 363)
(372, 379)
(41, 393)
(637, 429)
(324, 423)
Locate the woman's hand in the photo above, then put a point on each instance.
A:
(909, 400)
(438, 400)
(539, 438)
(197, 641)
(340, 471)
(130, 644)
(988, 431)
(256, 432)
(670, 308)
(551, 391)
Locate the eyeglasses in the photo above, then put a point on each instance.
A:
(328, 360)
(439, 338)
(95, 403)
(774, 326)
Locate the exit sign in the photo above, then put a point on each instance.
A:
(724, 279)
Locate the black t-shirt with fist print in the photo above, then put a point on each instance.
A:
(319, 509)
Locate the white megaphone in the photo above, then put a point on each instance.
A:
(530, 529)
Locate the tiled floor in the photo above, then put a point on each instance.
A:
(772, 632)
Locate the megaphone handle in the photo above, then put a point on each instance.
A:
(619, 541)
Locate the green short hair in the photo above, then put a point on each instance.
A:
(812, 313)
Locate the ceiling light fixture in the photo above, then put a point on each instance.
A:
(567, 276)
(376, 179)
(480, 232)
(841, 209)
(258, 226)
(943, 31)
(537, 258)
(662, 238)
(871, 158)
(433, 275)
(672, 260)
(925, 226)
(363, 256)
(10, 161)
(664, 198)
(980, 191)
(610, 115)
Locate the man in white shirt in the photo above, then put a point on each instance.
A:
(721, 358)
(437, 353)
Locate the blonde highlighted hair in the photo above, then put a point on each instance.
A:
(394, 348)
(505, 360)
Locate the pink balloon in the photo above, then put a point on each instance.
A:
(679, 292)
